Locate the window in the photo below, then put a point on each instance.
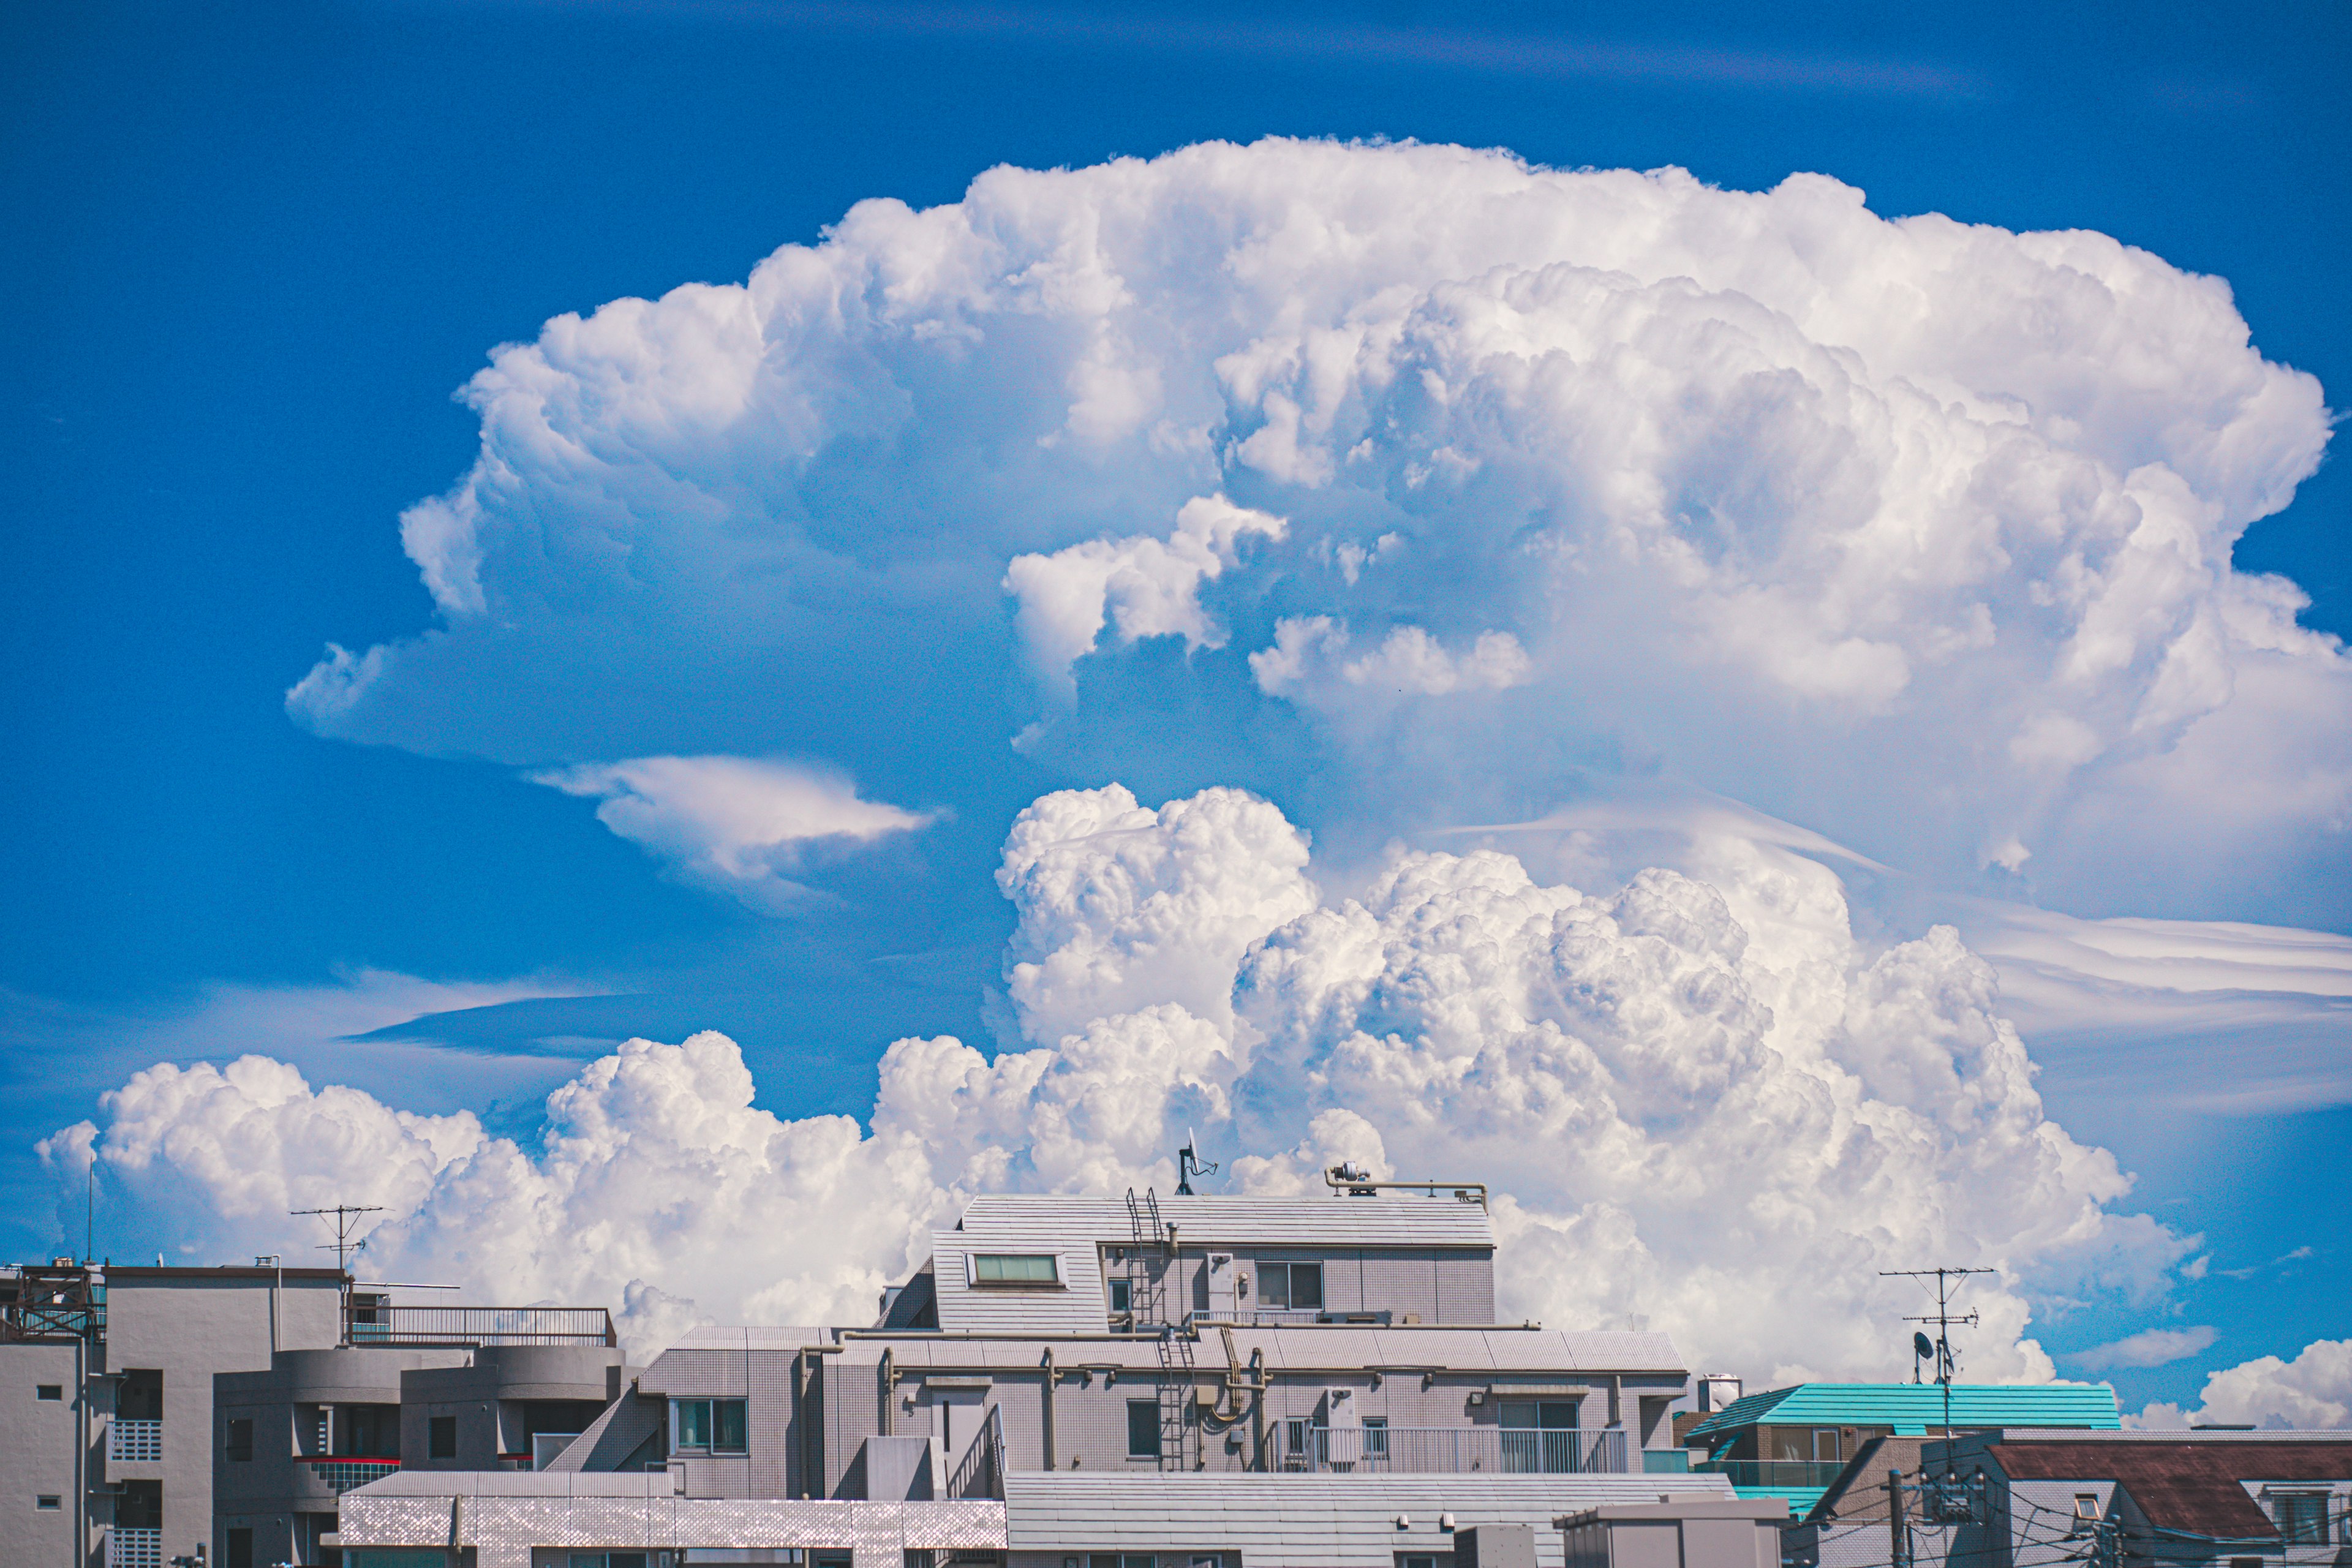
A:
(239, 1447)
(441, 1438)
(1143, 1429)
(715, 1425)
(1015, 1269)
(1295, 1286)
(1122, 1299)
(1376, 1437)
(49, 1391)
(48, 1502)
(240, 1548)
(608, 1560)
(2086, 1513)
(2302, 1518)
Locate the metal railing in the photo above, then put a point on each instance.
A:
(339, 1473)
(135, 1441)
(981, 1472)
(388, 1325)
(1284, 1316)
(1452, 1451)
(1773, 1472)
(133, 1547)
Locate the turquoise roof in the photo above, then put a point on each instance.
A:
(1914, 1409)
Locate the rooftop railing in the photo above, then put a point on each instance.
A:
(391, 1325)
(339, 1473)
(1773, 1472)
(1452, 1451)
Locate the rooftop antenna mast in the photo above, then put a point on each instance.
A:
(1940, 1352)
(1190, 1164)
(344, 1247)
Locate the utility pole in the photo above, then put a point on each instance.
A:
(1946, 1363)
(344, 1247)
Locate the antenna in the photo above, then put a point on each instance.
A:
(1946, 1363)
(344, 1247)
(1189, 1164)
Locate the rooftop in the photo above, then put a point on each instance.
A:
(1388, 1219)
(1914, 1409)
(2184, 1481)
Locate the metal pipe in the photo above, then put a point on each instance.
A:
(1051, 1375)
(890, 1385)
(1366, 1187)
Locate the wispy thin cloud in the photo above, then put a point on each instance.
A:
(1535, 56)
(2150, 1347)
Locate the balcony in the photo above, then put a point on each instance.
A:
(341, 1472)
(472, 1326)
(1773, 1472)
(134, 1442)
(133, 1547)
(1451, 1450)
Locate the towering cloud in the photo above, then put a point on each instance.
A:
(1701, 1104)
(1462, 470)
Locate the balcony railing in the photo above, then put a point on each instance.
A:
(981, 1472)
(1773, 1472)
(387, 1325)
(135, 1441)
(341, 1472)
(133, 1547)
(1452, 1451)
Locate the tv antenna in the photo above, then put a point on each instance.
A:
(344, 1247)
(1939, 1351)
(1190, 1164)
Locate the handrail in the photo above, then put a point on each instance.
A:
(1358, 1183)
(477, 1326)
(981, 1472)
(1454, 1450)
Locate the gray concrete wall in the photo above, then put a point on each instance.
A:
(38, 1439)
(192, 1326)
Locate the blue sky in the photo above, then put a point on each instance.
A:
(255, 250)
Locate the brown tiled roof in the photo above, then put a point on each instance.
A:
(1859, 1493)
(2189, 1485)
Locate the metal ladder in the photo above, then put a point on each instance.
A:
(1147, 1299)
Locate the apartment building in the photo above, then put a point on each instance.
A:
(219, 1414)
(1196, 1382)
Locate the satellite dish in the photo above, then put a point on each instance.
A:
(1922, 1346)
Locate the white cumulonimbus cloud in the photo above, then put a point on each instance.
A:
(735, 825)
(1700, 1101)
(1825, 511)
(1148, 587)
(2311, 1391)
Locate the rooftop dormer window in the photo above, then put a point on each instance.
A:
(1015, 1269)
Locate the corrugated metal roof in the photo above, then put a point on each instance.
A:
(1913, 1408)
(1335, 1521)
(1389, 1220)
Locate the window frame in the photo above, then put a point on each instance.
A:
(49, 1393)
(989, 1271)
(2279, 1501)
(433, 1428)
(48, 1502)
(1150, 1407)
(716, 1410)
(236, 1440)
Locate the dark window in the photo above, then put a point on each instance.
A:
(2302, 1518)
(240, 1548)
(47, 1501)
(1143, 1429)
(239, 1447)
(441, 1438)
(140, 1397)
(728, 1423)
(49, 1391)
(140, 1505)
(1122, 1299)
(1298, 1286)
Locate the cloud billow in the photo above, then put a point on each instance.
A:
(1826, 511)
